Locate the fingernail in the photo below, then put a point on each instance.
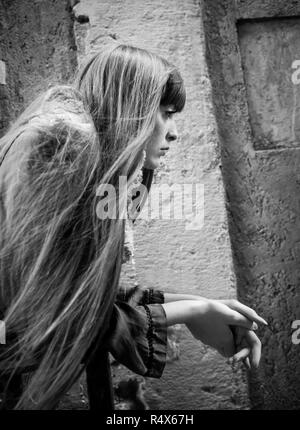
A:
(254, 326)
(264, 321)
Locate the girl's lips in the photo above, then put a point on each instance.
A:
(164, 150)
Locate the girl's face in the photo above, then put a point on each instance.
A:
(164, 133)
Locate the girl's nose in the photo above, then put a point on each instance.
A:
(172, 134)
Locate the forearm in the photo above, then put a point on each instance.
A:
(181, 311)
(173, 297)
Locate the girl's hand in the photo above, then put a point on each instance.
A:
(210, 322)
(244, 310)
(231, 303)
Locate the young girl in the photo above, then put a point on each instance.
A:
(60, 262)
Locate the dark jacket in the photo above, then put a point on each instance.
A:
(137, 339)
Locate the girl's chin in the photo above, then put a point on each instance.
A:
(153, 163)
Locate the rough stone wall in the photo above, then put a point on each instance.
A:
(256, 102)
(168, 256)
(37, 49)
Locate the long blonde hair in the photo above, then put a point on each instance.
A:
(59, 263)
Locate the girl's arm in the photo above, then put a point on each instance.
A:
(231, 303)
(173, 297)
(210, 321)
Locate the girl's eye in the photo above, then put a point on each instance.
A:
(169, 114)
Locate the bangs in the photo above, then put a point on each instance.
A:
(174, 92)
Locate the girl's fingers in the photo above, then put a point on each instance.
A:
(255, 346)
(241, 355)
(249, 347)
(245, 310)
(237, 319)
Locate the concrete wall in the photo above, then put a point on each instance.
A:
(256, 104)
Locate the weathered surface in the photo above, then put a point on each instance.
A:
(38, 49)
(169, 257)
(269, 48)
(262, 187)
